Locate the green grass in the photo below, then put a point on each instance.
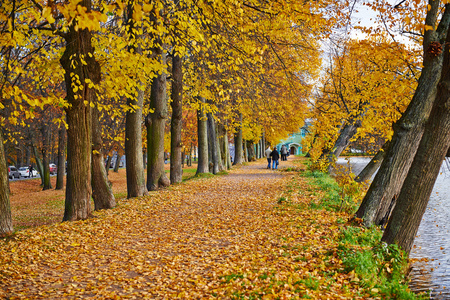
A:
(380, 267)
(324, 182)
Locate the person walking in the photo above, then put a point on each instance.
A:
(283, 153)
(275, 157)
(269, 159)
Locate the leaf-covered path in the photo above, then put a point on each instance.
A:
(223, 237)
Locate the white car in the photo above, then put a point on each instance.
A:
(25, 172)
(53, 168)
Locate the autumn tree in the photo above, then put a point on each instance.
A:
(82, 73)
(356, 96)
(155, 120)
(418, 184)
(378, 201)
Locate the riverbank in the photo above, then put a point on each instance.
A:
(252, 234)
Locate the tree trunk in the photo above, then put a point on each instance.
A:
(6, 226)
(218, 147)
(134, 160)
(135, 173)
(46, 158)
(101, 187)
(416, 190)
(245, 150)
(176, 169)
(117, 162)
(228, 156)
(251, 151)
(263, 145)
(212, 141)
(238, 155)
(155, 121)
(347, 131)
(61, 170)
(373, 165)
(221, 131)
(39, 165)
(79, 64)
(202, 166)
(408, 129)
(108, 163)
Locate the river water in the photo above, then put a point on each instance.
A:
(430, 256)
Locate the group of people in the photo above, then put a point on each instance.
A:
(273, 156)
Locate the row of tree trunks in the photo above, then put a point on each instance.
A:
(416, 190)
(408, 129)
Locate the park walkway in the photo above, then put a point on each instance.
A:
(224, 237)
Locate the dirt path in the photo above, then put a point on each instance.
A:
(223, 237)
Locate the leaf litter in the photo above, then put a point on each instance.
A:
(224, 237)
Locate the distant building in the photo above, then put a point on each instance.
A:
(294, 141)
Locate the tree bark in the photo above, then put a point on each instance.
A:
(101, 187)
(238, 155)
(202, 166)
(346, 133)
(117, 162)
(251, 151)
(373, 165)
(176, 160)
(245, 150)
(212, 141)
(39, 165)
(61, 158)
(46, 158)
(108, 163)
(416, 190)
(228, 156)
(155, 121)
(225, 151)
(78, 186)
(6, 226)
(136, 186)
(408, 130)
(218, 147)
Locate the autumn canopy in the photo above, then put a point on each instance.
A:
(83, 81)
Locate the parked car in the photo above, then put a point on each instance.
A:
(52, 168)
(13, 172)
(25, 172)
